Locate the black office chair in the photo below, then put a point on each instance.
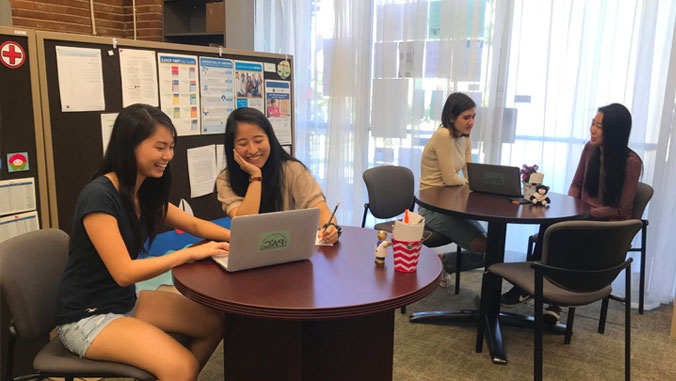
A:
(580, 260)
(391, 191)
(31, 266)
(644, 193)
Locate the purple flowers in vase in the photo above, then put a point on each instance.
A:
(526, 171)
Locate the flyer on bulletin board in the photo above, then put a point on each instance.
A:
(138, 70)
(217, 92)
(249, 84)
(179, 91)
(278, 105)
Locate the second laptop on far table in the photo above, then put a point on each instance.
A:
(495, 179)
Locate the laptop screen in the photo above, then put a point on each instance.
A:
(495, 179)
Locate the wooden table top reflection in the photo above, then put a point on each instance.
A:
(337, 281)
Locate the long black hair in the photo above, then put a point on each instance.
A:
(134, 124)
(273, 175)
(456, 104)
(612, 153)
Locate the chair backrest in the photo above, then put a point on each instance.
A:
(587, 246)
(390, 189)
(644, 193)
(30, 271)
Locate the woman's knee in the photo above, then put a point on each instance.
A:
(478, 244)
(212, 322)
(178, 366)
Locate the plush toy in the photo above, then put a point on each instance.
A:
(540, 195)
(381, 247)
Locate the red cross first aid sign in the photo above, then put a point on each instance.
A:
(12, 55)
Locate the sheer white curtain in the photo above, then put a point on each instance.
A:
(566, 60)
(661, 281)
(331, 44)
(371, 78)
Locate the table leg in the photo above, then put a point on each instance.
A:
(490, 292)
(341, 349)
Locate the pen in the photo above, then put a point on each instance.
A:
(331, 218)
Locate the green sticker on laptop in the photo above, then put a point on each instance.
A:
(273, 240)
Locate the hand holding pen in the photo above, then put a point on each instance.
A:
(329, 232)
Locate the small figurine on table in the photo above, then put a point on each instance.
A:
(540, 196)
(381, 247)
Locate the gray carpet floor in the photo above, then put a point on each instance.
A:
(425, 352)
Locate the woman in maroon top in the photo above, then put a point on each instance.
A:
(608, 172)
(606, 179)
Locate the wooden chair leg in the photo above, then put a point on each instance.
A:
(627, 325)
(403, 310)
(569, 325)
(604, 314)
(458, 261)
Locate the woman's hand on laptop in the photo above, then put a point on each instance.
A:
(208, 249)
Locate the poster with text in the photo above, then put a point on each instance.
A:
(217, 92)
(179, 94)
(249, 84)
(278, 106)
(138, 72)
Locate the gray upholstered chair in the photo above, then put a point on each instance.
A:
(391, 191)
(644, 193)
(580, 260)
(30, 271)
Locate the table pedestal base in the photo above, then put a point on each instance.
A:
(357, 348)
(491, 326)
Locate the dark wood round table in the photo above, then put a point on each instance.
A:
(327, 318)
(498, 211)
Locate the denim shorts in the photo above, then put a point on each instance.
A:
(79, 335)
(461, 230)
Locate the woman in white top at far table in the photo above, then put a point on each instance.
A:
(446, 154)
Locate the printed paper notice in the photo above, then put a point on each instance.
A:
(179, 94)
(12, 226)
(249, 84)
(80, 79)
(107, 122)
(17, 195)
(138, 71)
(201, 170)
(220, 159)
(278, 105)
(218, 93)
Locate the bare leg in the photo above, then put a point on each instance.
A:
(142, 341)
(171, 312)
(478, 244)
(135, 342)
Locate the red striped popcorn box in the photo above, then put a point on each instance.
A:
(406, 255)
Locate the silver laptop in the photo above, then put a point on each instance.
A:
(270, 238)
(495, 179)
